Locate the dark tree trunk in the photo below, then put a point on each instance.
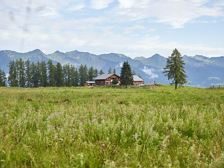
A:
(176, 84)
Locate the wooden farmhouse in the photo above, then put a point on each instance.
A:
(107, 79)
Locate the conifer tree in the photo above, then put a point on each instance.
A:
(35, 75)
(67, 75)
(101, 72)
(21, 72)
(59, 78)
(51, 73)
(76, 77)
(95, 73)
(114, 71)
(2, 78)
(174, 69)
(91, 73)
(28, 73)
(126, 75)
(43, 74)
(13, 77)
(83, 74)
(110, 71)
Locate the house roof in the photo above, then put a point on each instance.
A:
(137, 78)
(90, 82)
(104, 76)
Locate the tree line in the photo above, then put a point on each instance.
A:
(42, 74)
(46, 74)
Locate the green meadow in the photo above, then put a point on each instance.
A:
(111, 127)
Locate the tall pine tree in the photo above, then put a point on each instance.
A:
(28, 74)
(35, 78)
(90, 73)
(2, 78)
(43, 74)
(126, 75)
(59, 78)
(174, 69)
(83, 74)
(51, 73)
(101, 72)
(21, 72)
(13, 77)
(67, 75)
(114, 71)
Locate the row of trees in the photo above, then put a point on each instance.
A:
(43, 74)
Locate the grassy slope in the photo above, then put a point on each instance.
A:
(102, 127)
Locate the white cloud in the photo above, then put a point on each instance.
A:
(47, 11)
(77, 7)
(174, 12)
(49, 29)
(100, 4)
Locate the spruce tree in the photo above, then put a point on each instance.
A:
(35, 75)
(13, 77)
(21, 72)
(83, 74)
(126, 75)
(76, 77)
(174, 69)
(43, 74)
(95, 73)
(51, 73)
(59, 78)
(67, 75)
(2, 78)
(90, 73)
(114, 71)
(28, 73)
(73, 76)
(109, 70)
(101, 72)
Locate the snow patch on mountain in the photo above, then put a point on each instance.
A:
(150, 73)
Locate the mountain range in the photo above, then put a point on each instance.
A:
(201, 71)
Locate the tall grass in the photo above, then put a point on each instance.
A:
(105, 127)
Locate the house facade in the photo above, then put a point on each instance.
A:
(107, 79)
(113, 79)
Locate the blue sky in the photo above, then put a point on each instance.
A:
(131, 27)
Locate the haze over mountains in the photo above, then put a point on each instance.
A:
(201, 71)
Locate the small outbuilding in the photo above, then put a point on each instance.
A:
(137, 81)
(90, 83)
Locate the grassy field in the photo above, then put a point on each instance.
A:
(106, 127)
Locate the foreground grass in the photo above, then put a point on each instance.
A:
(103, 127)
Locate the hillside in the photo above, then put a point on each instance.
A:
(103, 127)
(201, 71)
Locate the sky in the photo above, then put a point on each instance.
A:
(131, 27)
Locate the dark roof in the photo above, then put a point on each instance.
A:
(104, 76)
